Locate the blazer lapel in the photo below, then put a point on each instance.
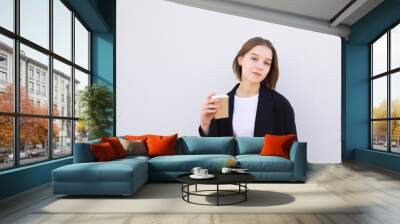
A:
(264, 102)
(231, 95)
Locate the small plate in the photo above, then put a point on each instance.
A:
(208, 176)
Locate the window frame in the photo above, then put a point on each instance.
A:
(388, 74)
(15, 72)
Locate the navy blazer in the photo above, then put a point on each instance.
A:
(274, 116)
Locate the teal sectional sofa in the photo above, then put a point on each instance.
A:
(125, 176)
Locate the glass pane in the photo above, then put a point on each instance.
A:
(395, 47)
(379, 97)
(395, 94)
(62, 29)
(81, 81)
(6, 74)
(62, 137)
(6, 142)
(379, 135)
(35, 21)
(379, 55)
(62, 89)
(81, 45)
(7, 14)
(33, 140)
(395, 129)
(81, 131)
(34, 82)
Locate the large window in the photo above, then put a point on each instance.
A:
(385, 91)
(44, 64)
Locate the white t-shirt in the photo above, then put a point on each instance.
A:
(244, 116)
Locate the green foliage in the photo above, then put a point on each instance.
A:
(97, 104)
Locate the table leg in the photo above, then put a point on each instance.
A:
(245, 193)
(217, 194)
(196, 188)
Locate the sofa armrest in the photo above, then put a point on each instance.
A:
(298, 155)
(83, 152)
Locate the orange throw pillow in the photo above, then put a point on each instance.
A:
(277, 145)
(135, 138)
(116, 145)
(103, 152)
(161, 145)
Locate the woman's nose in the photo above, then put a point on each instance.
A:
(259, 65)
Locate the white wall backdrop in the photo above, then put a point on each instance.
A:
(170, 56)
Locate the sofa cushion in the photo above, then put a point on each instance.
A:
(257, 163)
(112, 171)
(192, 145)
(185, 163)
(131, 158)
(249, 145)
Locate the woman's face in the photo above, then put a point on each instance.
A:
(256, 64)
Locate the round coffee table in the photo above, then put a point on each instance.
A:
(238, 179)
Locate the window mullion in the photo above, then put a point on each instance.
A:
(50, 87)
(73, 82)
(371, 98)
(389, 95)
(16, 84)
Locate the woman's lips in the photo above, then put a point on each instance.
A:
(256, 73)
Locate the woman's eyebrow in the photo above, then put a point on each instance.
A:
(269, 59)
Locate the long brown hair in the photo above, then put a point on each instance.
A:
(273, 74)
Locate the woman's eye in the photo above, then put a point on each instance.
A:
(266, 63)
(254, 59)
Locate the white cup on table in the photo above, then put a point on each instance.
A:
(196, 170)
(203, 172)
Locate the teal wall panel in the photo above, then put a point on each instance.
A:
(103, 63)
(376, 158)
(102, 58)
(357, 99)
(24, 178)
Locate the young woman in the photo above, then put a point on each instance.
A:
(255, 108)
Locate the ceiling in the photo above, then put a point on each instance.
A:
(326, 16)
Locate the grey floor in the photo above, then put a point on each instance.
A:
(377, 188)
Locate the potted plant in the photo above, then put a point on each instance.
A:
(96, 102)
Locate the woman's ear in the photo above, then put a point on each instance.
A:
(240, 60)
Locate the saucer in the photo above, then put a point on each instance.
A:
(208, 176)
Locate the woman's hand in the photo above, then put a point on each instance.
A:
(208, 112)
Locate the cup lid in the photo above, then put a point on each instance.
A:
(220, 96)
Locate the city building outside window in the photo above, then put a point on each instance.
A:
(3, 78)
(30, 87)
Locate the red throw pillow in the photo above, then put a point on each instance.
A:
(116, 145)
(161, 145)
(277, 145)
(103, 151)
